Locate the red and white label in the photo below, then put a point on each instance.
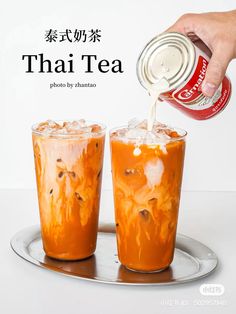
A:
(191, 101)
(191, 94)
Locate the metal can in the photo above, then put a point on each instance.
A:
(175, 58)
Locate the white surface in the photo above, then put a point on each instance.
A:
(126, 27)
(206, 216)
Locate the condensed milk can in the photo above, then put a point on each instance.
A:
(174, 58)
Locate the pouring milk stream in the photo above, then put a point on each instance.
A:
(155, 90)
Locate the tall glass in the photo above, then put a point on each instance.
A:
(146, 184)
(69, 173)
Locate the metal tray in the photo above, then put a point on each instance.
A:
(192, 260)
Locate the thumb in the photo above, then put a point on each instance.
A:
(215, 71)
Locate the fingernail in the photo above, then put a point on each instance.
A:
(208, 89)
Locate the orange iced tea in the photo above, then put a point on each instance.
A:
(68, 162)
(147, 173)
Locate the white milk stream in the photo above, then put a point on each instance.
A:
(155, 91)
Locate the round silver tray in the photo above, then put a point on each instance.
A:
(192, 260)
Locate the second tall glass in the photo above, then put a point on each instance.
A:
(147, 179)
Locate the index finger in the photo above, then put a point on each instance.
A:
(185, 25)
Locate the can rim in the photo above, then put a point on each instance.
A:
(141, 56)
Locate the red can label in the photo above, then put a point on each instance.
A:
(190, 100)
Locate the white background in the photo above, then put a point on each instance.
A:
(25, 98)
(126, 27)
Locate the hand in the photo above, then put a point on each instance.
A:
(218, 32)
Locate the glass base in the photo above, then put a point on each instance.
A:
(68, 259)
(147, 272)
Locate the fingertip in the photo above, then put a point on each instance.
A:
(208, 89)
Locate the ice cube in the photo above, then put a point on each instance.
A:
(52, 124)
(158, 124)
(70, 125)
(144, 214)
(95, 128)
(60, 130)
(133, 123)
(143, 124)
(48, 127)
(150, 138)
(163, 148)
(87, 129)
(136, 133)
(81, 123)
(161, 133)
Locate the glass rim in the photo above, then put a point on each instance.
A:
(172, 139)
(71, 134)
